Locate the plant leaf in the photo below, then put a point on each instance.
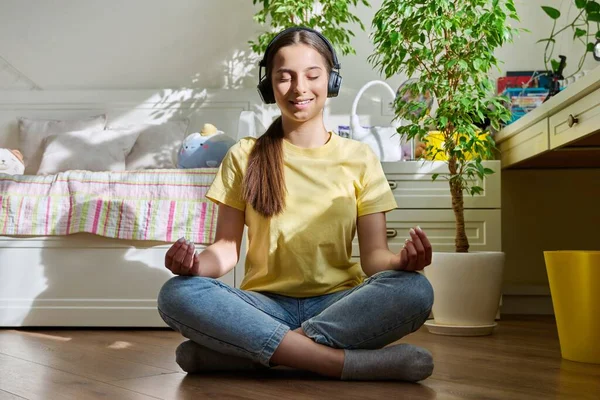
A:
(590, 47)
(593, 17)
(477, 63)
(476, 190)
(552, 12)
(592, 7)
(579, 33)
(580, 3)
(434, 177)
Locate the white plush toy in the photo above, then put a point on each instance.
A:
(11, 162)
(205, 149)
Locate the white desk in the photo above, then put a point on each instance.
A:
(564, 132)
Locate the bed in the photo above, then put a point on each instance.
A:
(86, 248)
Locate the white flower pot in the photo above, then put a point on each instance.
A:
(467, 289)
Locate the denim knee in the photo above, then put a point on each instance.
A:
(175, 294)
(413, 287)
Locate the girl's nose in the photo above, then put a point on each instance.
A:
(301, 85)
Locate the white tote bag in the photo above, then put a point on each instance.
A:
(384, 140)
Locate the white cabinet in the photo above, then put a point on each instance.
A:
(428, 204)
(413, 188)
(482, 227)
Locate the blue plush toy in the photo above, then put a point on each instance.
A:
(205, 149)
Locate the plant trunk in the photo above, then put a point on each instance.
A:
(461, 241)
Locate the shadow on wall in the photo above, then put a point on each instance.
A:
(123, 284)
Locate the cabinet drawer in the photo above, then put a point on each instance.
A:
(412, 186)
(575, 121)
(532, 141)
(483, 229)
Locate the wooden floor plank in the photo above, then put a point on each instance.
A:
(521, 361)
(63, 352)
(33, 381)
(279, 383)
(9, 396)
(149, 347)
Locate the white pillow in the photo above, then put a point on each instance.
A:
(255, 123)
(156, 146)
(32, 133)
(86, 150)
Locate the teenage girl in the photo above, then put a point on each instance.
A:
(303, 193)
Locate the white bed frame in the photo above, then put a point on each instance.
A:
(89, 280)
(84, 279)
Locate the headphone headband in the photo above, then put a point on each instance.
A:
(263, 62)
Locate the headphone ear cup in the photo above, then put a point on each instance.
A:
(265, 89)
(334, 84)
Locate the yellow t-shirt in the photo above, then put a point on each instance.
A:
(305, 251)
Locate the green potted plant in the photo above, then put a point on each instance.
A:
(326, 16)
(448, 46)
(584, 27)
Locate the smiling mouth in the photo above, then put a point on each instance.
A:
(301, 103)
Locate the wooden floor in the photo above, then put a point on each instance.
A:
(520, 361)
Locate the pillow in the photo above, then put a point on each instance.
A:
(255, 123)
(32, 133)
(156, 146)
(86, 150)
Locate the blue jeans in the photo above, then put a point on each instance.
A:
(384, 308)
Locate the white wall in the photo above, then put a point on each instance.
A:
(147, 44)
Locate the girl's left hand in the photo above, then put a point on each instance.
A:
(416, 253)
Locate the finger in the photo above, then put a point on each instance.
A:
(426, 245)
(196, 263)
(412, 255)
(188, 261)
(419, 248)
(179, 257)
(171, 252)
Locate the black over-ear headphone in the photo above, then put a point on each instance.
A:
(265, 88)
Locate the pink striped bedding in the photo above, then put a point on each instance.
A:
(160, 205)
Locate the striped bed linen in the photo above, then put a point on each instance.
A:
(160, 205)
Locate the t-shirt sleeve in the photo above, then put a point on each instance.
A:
(227, 185)
(374, 193)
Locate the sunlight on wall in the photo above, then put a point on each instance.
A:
(238, 68)
(163, 106)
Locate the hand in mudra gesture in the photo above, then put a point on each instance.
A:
(181, 258)
(416, 253)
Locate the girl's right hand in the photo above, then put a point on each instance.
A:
(181, 258)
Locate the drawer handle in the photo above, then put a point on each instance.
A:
(393, 184)
(391, 233)
(572, 120)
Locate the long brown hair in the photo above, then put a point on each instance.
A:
(264, 182)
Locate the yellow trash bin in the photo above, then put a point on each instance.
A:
(574, 278)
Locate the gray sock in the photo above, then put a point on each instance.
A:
(403, 362)
(193, 358)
